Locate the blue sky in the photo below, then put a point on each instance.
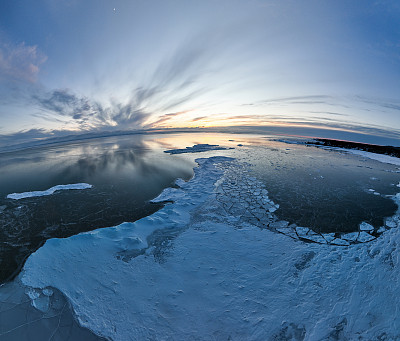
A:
(87, 66)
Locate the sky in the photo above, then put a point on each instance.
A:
(69, 66)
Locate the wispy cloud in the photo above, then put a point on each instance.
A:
(383, 103)
(165, 118)
(199, 118)
(20, 62)
(308, 99)
(328, 113)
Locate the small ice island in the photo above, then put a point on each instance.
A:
(197, 148)
(17, 196)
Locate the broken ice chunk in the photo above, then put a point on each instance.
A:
(279, 224)
(381, 229)
(390, 223)
(340, 242)
(329, 237)
(302, 231)
(314, 238)
(32, 293)
(42, 303)
(352, 236)
(287, 231)
(366, 227)
(364, 237)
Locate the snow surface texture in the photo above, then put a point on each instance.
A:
(49, 191)
(197, 148)
(194, 271)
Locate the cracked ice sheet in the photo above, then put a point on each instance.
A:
(220, 281)
(20, 320)
(50, 191)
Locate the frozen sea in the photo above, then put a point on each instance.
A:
(258, 240)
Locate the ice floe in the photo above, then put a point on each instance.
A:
(197, 148)
(17, 196)
(228, 274)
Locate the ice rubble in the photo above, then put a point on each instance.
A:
(247, 198)
(223, 278)
(197, 148)
(17, 196)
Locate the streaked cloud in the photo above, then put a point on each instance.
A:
(87, 114)
(166, 118)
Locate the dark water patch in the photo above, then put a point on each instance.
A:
(323, 190)
(125, 175)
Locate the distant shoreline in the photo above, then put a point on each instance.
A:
(372, 148)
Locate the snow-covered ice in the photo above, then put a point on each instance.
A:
(50, 191)
(197, 148)
(373, 156)
(227, 274)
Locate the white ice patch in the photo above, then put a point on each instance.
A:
(378, 157)
(224, 278)
(49, 191)
(366, 227)
(197, 148)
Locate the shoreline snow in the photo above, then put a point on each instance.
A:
(373, 156)
(50, 191)
(378, 157)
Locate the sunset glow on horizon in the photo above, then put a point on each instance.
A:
(151, 65)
